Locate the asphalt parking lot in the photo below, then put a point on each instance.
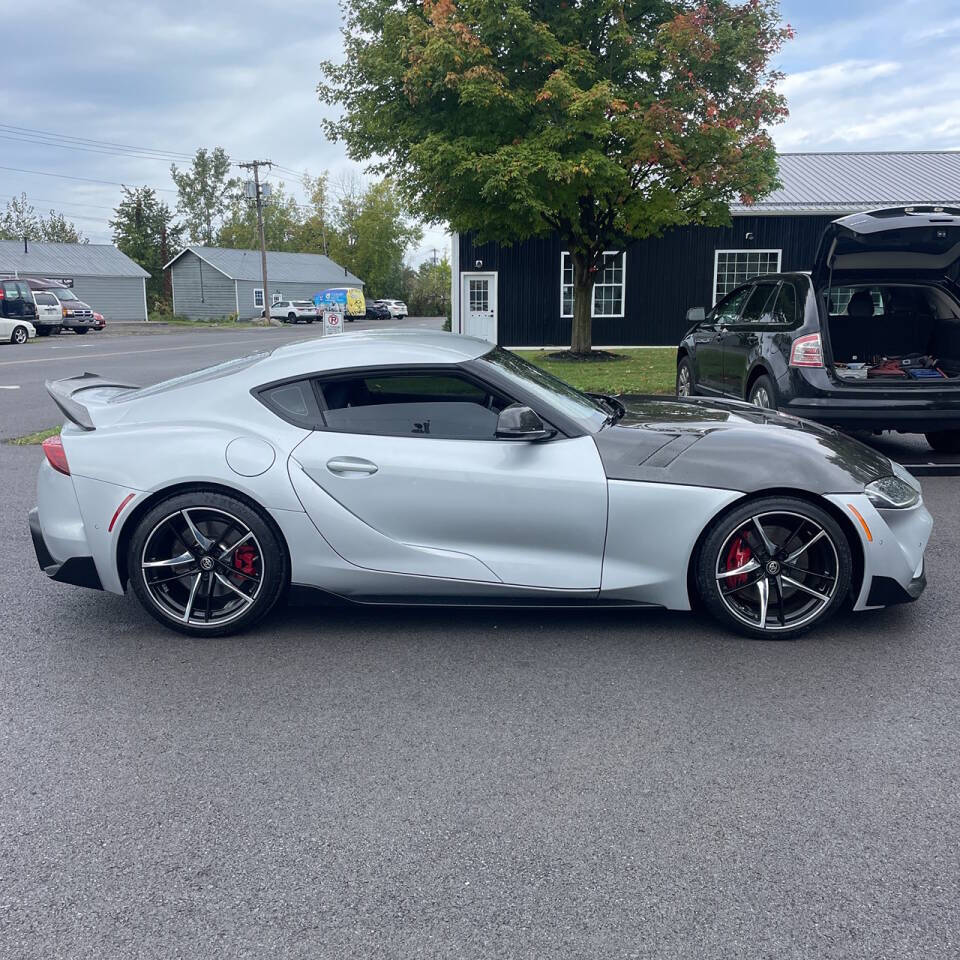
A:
(414, 784)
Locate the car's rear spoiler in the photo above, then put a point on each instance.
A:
(64, 393)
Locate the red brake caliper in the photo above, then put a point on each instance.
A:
(244, 557)
(738, 554)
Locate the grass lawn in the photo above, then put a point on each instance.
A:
(33, 438)
(648, 370)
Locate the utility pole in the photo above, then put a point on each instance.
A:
(255, 166)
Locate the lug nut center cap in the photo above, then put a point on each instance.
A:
(206, 564)
(773, 568)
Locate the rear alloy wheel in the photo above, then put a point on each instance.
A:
(206, 564)
(685, 378)
(19, 335)
(762, 393)
(944, 441)
(291, 317)
(774, 568)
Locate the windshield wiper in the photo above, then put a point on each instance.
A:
(616, 408)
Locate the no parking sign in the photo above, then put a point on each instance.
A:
(332, 322)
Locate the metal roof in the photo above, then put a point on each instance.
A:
(847, 182)
(281, 267)
(67, 260)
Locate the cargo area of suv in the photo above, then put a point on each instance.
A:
(894, 334)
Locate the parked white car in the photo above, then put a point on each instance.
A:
(294, 311)
(397, 308)
(16, 330)
(49, 311)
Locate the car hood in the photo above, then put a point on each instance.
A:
(76, 305)
(734, 446)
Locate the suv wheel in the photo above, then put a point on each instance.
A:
(685, 378)
(762, 393)
(944, 441)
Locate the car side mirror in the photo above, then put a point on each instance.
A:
(696, 315)
(518, 422)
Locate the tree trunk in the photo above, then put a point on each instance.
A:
(581, 340)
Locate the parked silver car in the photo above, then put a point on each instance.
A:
(398, 467)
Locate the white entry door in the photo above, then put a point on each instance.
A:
(478, 301)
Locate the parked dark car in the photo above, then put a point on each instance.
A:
(869, 340)
(376, 311)
(16, 303)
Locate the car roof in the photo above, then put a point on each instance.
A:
(368, 348)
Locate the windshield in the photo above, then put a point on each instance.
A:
(586, 411)
(66, 294)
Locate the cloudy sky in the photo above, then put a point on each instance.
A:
(168, 78)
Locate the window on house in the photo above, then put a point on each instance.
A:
(608, 288)
(258, 297)
(734, 267)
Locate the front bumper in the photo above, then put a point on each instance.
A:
(892, 544)
(79, 571)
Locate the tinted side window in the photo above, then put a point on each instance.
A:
(439, 405)
(785, 309)
(294, 402)
(11, 290)
(728, 310)
(755, 310)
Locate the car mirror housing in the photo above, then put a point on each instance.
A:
(518, 422)
(696, 315)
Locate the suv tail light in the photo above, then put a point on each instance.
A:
(807, 351)
(56, 455)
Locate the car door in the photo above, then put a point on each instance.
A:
(740, 341)
(406, 475)
(708, 340)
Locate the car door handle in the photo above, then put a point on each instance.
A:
(351, 466)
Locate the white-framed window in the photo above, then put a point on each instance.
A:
(479, 295)
(608, 288)
(258, 297)
(276, 298)
(733, 267)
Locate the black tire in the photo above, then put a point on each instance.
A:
(292, 317)
(823, 569)
(685, 382)
(19, 335)
(80, 330)
(221, 520)
(43, 331)
(944, 441)
(309, 319)
(763, 394)
(58, 330)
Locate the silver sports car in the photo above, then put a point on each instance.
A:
(404, 467)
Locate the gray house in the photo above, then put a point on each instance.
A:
(217, 281)
(98, 273)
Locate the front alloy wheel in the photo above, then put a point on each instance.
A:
(775, 567)
(19, 335)
(206, 564)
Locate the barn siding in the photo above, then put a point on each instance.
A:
(664, 276)
(117, 298)
(199, 291)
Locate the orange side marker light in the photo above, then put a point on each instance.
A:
(863, 523)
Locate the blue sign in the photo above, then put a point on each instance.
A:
(337, 295)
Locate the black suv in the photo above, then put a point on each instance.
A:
(869, 340)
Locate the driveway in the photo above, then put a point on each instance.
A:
(351, 783)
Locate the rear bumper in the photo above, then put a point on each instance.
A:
(79, 571)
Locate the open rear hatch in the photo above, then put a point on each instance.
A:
(888, 287)
(83, 399)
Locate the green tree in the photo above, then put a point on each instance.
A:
(602, 120)
(144, 230)
(430, 289)
(19, 219)
(282, 221)
(311, 235)
(371, 234)
(205, 191)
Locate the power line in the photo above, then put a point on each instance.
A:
(62, 203)
(65, 176)
(99, 143)
(95, 150)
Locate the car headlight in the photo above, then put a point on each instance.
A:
(891, 493)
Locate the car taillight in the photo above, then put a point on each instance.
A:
(56, 455)
(807, 351)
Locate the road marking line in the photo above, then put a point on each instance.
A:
(125, 353)
(9, 388)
